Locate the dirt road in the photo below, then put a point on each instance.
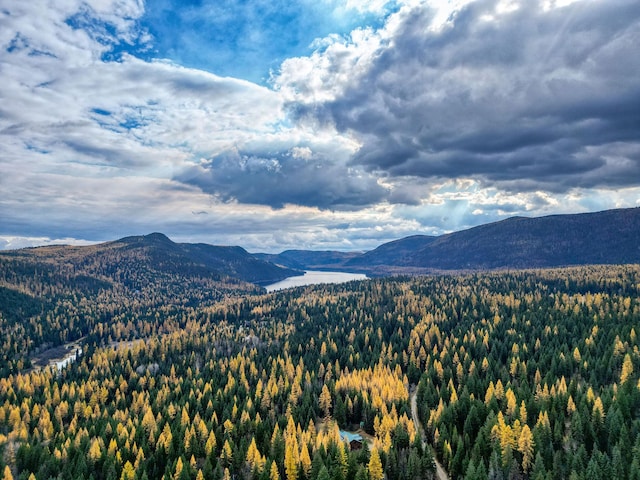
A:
(441, 474)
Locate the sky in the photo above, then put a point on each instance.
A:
(324, 124)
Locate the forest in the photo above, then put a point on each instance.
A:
(516, 375)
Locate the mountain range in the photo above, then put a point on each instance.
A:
(230, 261)
(138, 261)
(607, 237)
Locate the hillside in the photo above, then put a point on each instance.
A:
(186, 373)
(204, 259)
(309, 259)
(56, 294)
(514, 375)
(609, 237)
(392, 253)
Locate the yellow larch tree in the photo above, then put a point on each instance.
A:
(375, 466)
(128, 472)
(227, 453)
(525, 446)
(489, 394)
(95, 451)
(627, 369)
(255, 460)
(511, 403)
(139, 458)
(325, 401)
(291, 460)
(499, 390)
(505, 436)
(211, 443)
(179, 467)
(577, 357)
(305, 460)
(523, 412)
(598, 410)
(149, 421)
(165, 438)
(273, 472)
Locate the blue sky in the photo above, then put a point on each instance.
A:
(321, 124)
(245, 39)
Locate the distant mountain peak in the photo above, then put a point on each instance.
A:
(155, 238)
(606, 237)
(158, 237)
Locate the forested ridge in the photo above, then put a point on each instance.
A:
(53, 295)
(608, 237)
(530, 374)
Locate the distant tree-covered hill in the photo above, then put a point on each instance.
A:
(309, 259)
(608, 237)
(392, 253)
(57, 294)
(230, 261)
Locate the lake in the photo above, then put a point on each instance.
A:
(311, 277)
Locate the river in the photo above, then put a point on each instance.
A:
(312, 277)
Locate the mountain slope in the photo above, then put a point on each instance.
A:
(309, 259)
(52, 295)
(206, 259)
(391, 253)
(608, 237)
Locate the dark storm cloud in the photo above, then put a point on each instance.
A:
(282, 178)
(532, 98)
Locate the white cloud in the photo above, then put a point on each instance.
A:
(377, 132)
(14, 243)
(303, 153)
(329, 71)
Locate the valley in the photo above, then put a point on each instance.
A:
(191, 372)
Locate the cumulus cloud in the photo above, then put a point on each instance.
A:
(282, 178)
(428, 117)
(521, 95)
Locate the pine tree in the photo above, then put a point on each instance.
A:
(361, 474)
(324, 474)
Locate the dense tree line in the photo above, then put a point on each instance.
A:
(50, 296)
(519, 375)
(532, 375)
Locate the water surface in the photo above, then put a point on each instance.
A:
(312, 277)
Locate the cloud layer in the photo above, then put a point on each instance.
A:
(524, 99)
(428, 117)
